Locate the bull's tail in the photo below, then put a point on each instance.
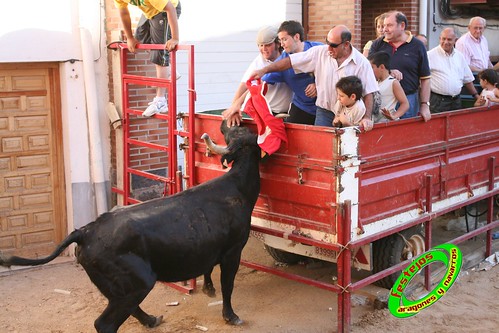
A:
(75, 236)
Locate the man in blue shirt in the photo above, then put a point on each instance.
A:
(303, 108)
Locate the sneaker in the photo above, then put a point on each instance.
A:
(158, 105)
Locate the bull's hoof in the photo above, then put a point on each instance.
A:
(209, 290)
(235, 320)
(155, 321)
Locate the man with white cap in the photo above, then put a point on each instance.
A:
(278, 95)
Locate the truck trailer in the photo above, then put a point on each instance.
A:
(363, 200)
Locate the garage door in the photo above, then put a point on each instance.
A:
(32, 200)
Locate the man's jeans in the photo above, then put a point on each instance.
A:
(324, 117)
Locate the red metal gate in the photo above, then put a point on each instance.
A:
(174, 178)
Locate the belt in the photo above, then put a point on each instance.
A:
(446, 96)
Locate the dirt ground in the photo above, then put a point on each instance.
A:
(60, 298)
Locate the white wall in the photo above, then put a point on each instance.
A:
(223, 35)
(37, 31)
(224, 39)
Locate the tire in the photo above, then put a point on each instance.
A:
(392, 250)
(283, 256)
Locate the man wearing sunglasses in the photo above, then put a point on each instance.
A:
(330, 63)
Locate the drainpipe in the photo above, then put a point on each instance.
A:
(423, 18)
(96, 159)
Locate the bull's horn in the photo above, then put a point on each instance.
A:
(213, 147)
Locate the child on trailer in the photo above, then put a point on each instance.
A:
(490, 93)
(394, 102)
(349, 108)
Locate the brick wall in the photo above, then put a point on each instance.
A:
(144, 129)
(358, 15)
(371, 9)
(324, 14)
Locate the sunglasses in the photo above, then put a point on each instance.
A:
(333, 45)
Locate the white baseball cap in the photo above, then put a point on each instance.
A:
(266, 35)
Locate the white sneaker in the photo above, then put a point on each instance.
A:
(158, 105)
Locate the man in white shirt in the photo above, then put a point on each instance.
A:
(278, 95)
(474, 46)
(449, 73)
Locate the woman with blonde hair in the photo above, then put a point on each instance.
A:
(378, 25)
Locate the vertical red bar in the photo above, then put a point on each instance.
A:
(126, 127)
(172, 121)
(344, 268)
(178, 181)
(427, 243)
(340, 227)
(429, 208)
(490, 204)
(347, 265)
(192, 99)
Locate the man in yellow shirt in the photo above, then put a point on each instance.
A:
(157, 25)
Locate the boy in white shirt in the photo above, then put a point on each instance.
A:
(349, 108)
(394, 102)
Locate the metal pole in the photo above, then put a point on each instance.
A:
(347, 266)
(490, 209)
(427, 225)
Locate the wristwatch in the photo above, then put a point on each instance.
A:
(427, 103)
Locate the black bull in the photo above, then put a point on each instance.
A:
(170, 239)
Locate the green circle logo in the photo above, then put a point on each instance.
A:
(448, 254)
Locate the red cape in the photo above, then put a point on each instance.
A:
(271, 131)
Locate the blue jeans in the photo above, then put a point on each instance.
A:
(413, 106)
(324, 117)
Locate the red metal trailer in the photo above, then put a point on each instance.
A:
(345, 196)
(341, 195)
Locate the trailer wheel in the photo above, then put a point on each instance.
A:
(394, 249)
(283, 256)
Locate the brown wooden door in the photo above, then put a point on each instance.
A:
(32, 198)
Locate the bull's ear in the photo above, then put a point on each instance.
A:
(223, 127)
